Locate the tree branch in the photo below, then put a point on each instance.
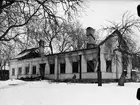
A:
(20, 25)
(2, 6)
(8, 39)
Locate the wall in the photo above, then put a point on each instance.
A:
(69, 57)
(116, 58)
(23, 63)
(108, 52)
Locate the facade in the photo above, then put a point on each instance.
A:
(82, 63)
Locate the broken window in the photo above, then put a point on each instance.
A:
(62, 67)
(108, 66)
(27, 70)
(34, 69)
(19, 71)
(90, 66)
(13, 71)
(75, 67)
(52, 68)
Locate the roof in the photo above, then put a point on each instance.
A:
(101, 43)
(123, 42)
(28, 53)
(73, 51)
(34, 52)
(28, 50)
(109, 36)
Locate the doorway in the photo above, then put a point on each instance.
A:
(42, 70)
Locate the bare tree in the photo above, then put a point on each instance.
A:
(58, 38)
(6, 53)
(51, 33)
(126, 29)
(72, 37)
(15, 14)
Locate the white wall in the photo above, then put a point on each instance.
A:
(23, 63)
(115, 74)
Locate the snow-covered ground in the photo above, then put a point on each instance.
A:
(18, 92)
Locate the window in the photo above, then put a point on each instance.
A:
(13, 71)
(27, 70)
(34, 69)
(51, 68)
(108, 66)
(62, 68)
(90, 66)
(19, 71)
(75, 67)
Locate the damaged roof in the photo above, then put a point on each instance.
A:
(34, 52)
(28, 53)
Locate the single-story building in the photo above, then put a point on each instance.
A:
(82, 63)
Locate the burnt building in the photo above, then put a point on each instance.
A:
(82, 63)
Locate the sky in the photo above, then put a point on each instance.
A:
(97, 13)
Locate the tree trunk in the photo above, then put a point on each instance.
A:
(51, 48)
(122, 78)
(125, 61)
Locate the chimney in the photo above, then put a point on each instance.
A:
(41, 48)
(90, 37)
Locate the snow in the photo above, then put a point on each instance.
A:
(4, 84)
(46, 93)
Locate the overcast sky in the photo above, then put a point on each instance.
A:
(97, 12)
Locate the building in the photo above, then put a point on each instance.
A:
(82, 63)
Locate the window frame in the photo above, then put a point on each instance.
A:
(27, 73)
(62, 68)
(34, 68)
(52, 68)
(19, 70)
(90, 69)
(109, 70)
(13, 71)
(75, 67)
